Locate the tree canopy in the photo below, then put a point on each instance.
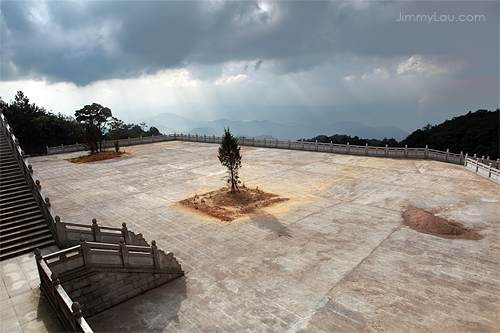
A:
(36, 128)
(95, 118)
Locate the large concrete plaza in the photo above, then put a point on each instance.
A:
(334, 258)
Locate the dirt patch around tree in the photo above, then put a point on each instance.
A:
(100, 156)
(420, 220)
(226, 207)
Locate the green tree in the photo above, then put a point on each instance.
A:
(229, 156)
(36, 128)
(94, 117)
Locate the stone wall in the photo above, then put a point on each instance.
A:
(100, 290)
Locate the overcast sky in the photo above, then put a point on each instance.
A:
(382, 63)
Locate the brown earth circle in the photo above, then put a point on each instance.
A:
(420, 220)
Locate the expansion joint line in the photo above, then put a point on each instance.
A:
(373, 250)
(305, 319)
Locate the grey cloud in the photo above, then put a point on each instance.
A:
(154, 35)
(258, 64)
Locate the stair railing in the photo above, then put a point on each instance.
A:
(42, 200)
(68, 312)
(70, 234)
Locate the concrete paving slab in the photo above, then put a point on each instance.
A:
(23, 308)
(335, 257)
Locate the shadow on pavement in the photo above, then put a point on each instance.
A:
(271, 223)
(151, 312)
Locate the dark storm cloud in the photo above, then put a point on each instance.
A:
(83, 42)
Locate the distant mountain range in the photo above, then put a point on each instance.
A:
(169, 123)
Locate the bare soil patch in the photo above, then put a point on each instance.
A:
(226, 207)
(100, 156)
(420, 220)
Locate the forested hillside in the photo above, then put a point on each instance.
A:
(473, 133)
(36, 128)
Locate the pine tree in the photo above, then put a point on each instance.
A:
(229, 156)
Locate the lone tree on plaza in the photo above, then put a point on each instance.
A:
(94, 117)
(229, 156)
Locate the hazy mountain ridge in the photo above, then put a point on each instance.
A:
(169, 123)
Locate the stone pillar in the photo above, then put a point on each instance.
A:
(96, 231)
(61, 231)
(124, 253)
(156, 254)
(85, 250)
(316, 145)
(447, 155)
(125, 233)
(348, 148)
(426, 151)
(406, 150)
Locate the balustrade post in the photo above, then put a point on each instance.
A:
(264, 141)
(156, 254)
(47, 150)
(77, 312)
(406, 150)
(288, 143)
(348, 148)
(316, 145)
(302, 145)
(426, 151)
(447, 154)
(96, 230)
(125, 233)
(196, 137)
(477, 163)
(461, 156)
(386, 150)
(189, 137)
(276, 143)
(85, 250)
(61, 231)
(205, 137)
(124, 253)
(253, 141)
(174, 136)
(489, 171)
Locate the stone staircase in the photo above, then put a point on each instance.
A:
(22, 225)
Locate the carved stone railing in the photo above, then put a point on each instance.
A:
(68, 312)
(34, 184)
(444, 156)
(92, 277)
(70, 234)
(486, 171)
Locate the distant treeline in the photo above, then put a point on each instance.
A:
(36, 128)
(473, 133)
